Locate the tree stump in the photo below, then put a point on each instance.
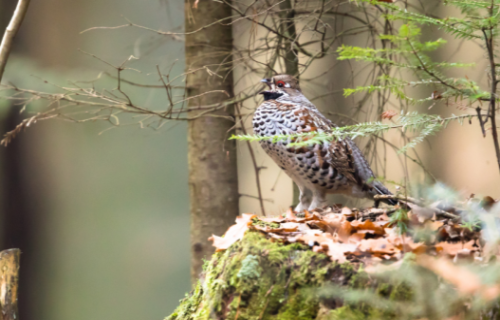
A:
(257, 278)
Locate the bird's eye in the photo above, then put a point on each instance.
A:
(280, 84)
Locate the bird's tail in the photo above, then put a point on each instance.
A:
(381, 189)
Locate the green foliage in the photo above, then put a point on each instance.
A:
(400, 220)
(408, 52)
(423, 124)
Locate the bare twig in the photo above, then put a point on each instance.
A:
(10, 33)
(481, 122)
(493, 90)
(167, 89)
(254, 162)
(419, 203)
(254, 197)
(174, 36)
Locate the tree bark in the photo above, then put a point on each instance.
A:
(290, 53)
(291, 58)
(213, 180)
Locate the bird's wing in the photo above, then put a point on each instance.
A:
(363, 170)
(339, 154)
(343, 155)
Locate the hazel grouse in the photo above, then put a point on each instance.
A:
(319, 169)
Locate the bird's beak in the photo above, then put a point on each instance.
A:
(267, 81)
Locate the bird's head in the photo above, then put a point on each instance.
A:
(281, 85)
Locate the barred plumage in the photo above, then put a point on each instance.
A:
(336, 167)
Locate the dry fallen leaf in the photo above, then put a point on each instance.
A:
(452, 249)
(337, 251)
(356, 237)
(433, 225)
(234, 233)
(369, 227)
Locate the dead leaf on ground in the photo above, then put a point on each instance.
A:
(378, 247)
(452, 249)
(234, 233)
(369, 227)
(364, 235)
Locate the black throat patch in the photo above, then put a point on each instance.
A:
(269, 95)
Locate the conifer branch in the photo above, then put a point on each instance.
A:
(424, 125)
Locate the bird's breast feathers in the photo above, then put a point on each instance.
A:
(275, 118)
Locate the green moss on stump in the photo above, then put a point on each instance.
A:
(257, 278)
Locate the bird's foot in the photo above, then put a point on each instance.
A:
(300, 208)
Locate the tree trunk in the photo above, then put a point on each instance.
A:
(213, 180)
(291, 58)
(290, 54)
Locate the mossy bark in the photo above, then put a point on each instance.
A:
(257, 278)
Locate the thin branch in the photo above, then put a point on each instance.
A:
(167, 89)
(481, 122)
(143, 85)
(10, 33)
(175, 36)
(419, 203)
(494, 82)
(254, 197)
(254, 162)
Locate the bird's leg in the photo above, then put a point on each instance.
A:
(305, 199)
(318, 200)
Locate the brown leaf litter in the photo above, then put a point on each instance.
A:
(370, 237)
(352, 235)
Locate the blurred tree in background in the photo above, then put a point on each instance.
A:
(103, 231)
